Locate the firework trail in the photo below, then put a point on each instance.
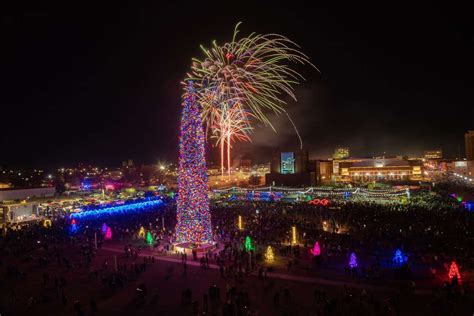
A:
(247, 77)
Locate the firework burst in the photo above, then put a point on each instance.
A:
(247, 77)
(231, 123)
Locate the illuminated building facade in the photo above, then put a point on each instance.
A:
(341, 153)
(462, 167)
(290, 168)
(387, 169)
(433, 154)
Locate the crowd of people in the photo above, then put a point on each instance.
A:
(430, 229)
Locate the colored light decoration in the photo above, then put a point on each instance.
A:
(149, 238)
(323, 202)
(86, 186)
(316, 251)
(108, 234)
(248, 244)
(239, 221)
(118, 209)
(141, 233)
(454, 271)
(353, 261)
(47, 223)
(193, 216)
(469, 206)
(399, 258)
(269, 256)
(103, 229)
(74, 228)
(293, 235)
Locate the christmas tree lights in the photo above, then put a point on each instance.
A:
(141, 233)
(239, 221)
(193, 217)
(293, 235)
(108, 234)
(399, 258)
(316, 251)
(74, 227)
(149, 238)
(248, 244)
(104, 228)
(269, 256)
(353, 261)
(454, 271)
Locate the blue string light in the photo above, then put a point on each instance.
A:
(131, 207)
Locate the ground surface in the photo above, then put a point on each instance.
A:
(166, 280)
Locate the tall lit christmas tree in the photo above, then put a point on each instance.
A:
(194, 219)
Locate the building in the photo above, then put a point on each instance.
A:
(323, 171)
(4, 185)
(128, 163)
(469, 145)
(341, 153)
(462, 167)
(377, 169)
(433, 154)
(18, 212)
(245, 164)
(25, 194)
(290, 168)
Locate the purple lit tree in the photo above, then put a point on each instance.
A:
(353, 261)
(104, 228)
(316, 251)
(194, 219)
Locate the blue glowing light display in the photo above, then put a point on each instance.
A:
(86, 185)
(470, 206)
(104, 228)
(108, 210)
(399, 258)
(264, 196)
(74, 227)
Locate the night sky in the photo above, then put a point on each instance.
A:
(101, 84)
